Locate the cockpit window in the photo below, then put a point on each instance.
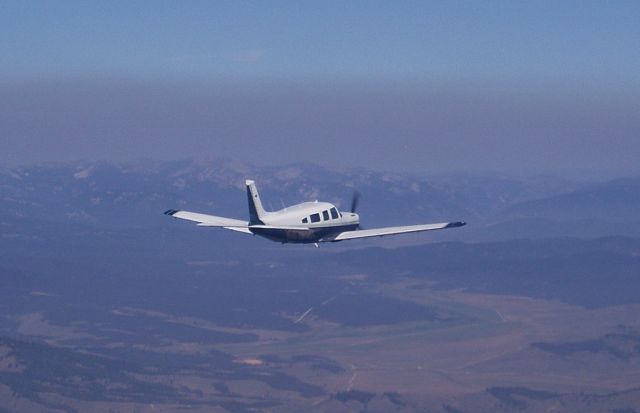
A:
(315, 217)
(325, 215)
(305, 220)
(334, 213)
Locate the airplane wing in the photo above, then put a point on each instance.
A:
(381, 232)
(205, 220)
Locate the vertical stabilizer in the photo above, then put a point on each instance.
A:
(256, 211)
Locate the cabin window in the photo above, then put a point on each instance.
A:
(315, 217)
(334, 213)
(305, 220)
(325, 215)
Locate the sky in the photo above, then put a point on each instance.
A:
(514, 87)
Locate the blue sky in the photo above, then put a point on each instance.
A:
(518, 56)
(414, 41)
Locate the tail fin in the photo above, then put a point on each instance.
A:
(256, 211)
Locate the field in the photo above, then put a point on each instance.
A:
(477, 350)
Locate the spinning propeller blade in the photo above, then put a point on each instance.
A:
(354, 201)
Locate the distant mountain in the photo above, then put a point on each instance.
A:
(608, 208)
(618, 199)
(496, 207)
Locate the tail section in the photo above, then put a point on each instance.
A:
(256, 211)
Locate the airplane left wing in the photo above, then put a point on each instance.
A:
(381, 232)
(205, 220)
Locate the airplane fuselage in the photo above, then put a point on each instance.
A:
(308, 222)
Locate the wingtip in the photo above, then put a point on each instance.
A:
(170, 212)
(456, 224)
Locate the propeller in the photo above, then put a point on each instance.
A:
(355, 198)
(354, 201)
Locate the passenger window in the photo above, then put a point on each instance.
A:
(334, 213)
(315, 217)
(325, 215)
(305, 220)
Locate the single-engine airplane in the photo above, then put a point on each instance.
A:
(307, 223)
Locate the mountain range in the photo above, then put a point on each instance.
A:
(495, 207)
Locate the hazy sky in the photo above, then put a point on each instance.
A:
(420, 86)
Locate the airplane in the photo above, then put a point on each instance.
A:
(306, 223)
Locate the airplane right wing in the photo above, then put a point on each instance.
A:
(205, 220)
(381, 232)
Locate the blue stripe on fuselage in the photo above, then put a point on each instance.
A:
(303, 236)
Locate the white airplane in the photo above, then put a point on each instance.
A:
(307, 223)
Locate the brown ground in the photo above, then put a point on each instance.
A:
(480, 342)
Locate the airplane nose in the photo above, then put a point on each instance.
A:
(350, 217)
